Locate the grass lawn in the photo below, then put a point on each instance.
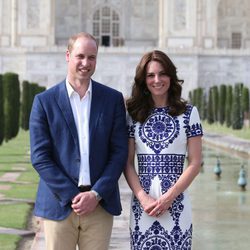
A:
(218, 128)
(14, 157)
(8, 242)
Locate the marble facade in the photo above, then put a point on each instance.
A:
(208, 40)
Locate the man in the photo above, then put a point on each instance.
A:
(79, 148)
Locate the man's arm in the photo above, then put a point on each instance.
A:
(118, 152)
(43, 154)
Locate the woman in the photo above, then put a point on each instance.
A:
(162, 129)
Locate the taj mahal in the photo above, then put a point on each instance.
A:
(208, 40)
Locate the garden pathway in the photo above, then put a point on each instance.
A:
(11, 177)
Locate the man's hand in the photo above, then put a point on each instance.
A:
(84, 203)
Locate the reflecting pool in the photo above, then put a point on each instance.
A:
(221, 211)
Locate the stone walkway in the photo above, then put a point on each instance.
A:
(11, 177)
(5, 230)
(228, 142)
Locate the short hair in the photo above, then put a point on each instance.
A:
(73, 39)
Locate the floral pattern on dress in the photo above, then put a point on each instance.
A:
(161, 143)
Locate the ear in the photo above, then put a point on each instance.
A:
(67, 55)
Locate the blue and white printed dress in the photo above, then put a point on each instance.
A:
(160, 144)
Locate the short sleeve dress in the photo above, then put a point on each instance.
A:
(160, 144)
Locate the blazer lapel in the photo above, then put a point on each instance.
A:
(63, 101)
(96, 107)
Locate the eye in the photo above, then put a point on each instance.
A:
(92, 58)
(80, 56)
(150, 75)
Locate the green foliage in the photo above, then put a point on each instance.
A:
(25, 106)
(245, 99)
(210, 114)
(203, 113)
(222, 101)
(14, 216)
(14, 156)
(190, 96)
(197, 98)
(1, 111)
(28, 94)
(229, 100)
(215, 102)
(8, 242)
(222, 104)
(201, 103)
(237, 113)
(11, 91)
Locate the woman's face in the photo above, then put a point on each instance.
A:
(158, 82)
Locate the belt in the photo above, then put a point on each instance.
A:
(83, 188)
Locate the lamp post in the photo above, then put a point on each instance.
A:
(217, 168)
(242, 180)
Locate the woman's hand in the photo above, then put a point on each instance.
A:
(147, 202)
(163, 203)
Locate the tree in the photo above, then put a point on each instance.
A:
(25, 106)
(229, 100)
(222, 101)
(245, 103)
(28, 94)
(1, 111)
(11, 91)
(210, 115)
(215, 103)
(190, 97)
(237, 113)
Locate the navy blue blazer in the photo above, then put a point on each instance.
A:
(55, 150)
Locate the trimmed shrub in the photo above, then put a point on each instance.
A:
(215, 103)
(11, 91)
(1, 111)
(210, 114)
(245, 100)
(25, 106)
(28, 94)
(237, 113)
(229, 101)
(222, 101)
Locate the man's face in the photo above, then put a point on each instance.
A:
(82, 59)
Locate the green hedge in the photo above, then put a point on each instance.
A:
(1, 111)
(11, 90)
(225, 104)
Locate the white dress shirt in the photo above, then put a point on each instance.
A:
(81, 112)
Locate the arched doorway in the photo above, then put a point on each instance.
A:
(106, 27)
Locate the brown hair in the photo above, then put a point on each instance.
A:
(73, 38)
(140, 103)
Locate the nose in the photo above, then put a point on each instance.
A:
(85, 61)
(157, 78)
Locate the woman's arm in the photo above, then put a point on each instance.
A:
(133, 179)
(186, 178)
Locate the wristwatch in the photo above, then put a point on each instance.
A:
(97, 196)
